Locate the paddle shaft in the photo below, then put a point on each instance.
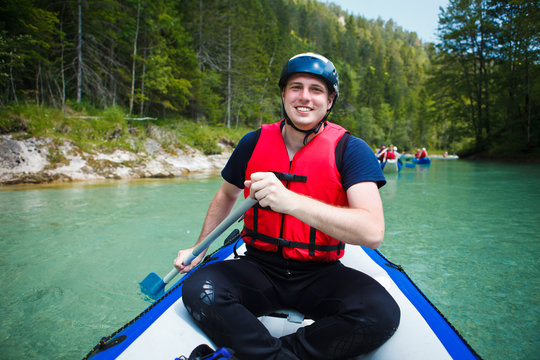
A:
(208, 240)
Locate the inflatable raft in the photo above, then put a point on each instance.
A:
(444, 157)
(165, 329)
(391, 166)
(422, 161)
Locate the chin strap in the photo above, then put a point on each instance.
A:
(314, 130)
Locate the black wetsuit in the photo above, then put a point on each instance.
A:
(353, 313)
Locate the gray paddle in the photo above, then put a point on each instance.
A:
(154, 286)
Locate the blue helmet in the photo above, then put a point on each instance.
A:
(314, 64)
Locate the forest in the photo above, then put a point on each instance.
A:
(217, 63)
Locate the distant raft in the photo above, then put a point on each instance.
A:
(391, 166)
(422, 161)
(444, 157)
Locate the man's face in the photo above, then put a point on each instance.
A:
(306, 100)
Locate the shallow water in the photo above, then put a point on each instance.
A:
(72, 256)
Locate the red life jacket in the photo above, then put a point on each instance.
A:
(312, 172)
(391, 155)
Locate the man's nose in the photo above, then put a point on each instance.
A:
(304, 94)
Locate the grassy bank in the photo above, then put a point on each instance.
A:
(106, 130)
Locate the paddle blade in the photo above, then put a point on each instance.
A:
(152, 285)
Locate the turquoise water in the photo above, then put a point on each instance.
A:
(72, 256)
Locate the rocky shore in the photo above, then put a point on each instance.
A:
(38, 161)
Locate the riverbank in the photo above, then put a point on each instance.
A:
(44, 160)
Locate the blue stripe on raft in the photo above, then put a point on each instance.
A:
(153, 312)
(449, 337)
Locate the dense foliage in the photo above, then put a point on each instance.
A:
(217, 62)
(486, 74)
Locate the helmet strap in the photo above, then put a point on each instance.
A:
(313, 130)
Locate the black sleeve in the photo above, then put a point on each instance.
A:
(360, 164)
(235, 170)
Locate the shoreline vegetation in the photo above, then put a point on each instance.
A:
(203, 78)
(46, 145)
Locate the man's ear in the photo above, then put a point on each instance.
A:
(331, 98)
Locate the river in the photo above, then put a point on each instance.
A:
(72, 255)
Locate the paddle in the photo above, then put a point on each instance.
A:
(154, 286)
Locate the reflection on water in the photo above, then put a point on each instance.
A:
(72, 255)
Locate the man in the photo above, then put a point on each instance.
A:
(317, 189)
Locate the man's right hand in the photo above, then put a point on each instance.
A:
(182, 255)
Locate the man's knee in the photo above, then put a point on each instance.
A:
(384, 323)
(197, 293)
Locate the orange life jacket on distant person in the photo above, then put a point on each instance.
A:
(312, 172)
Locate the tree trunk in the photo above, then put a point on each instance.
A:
(199, 58)
(527, 105)
(62, 69)
(11, 80)
(79, 54)
(141, 109)
(38, 74)
(229, 95)
(134, 61)
(200, 34)
(263, 92)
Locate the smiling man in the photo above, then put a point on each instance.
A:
(317, 190)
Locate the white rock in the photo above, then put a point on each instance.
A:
(21, 159)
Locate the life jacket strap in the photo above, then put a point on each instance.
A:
(290, 177)
(311, 246)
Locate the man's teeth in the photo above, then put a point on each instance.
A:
(303, 108)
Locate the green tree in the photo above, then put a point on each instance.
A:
(210, 60)
(485, 72)
(517, 70)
